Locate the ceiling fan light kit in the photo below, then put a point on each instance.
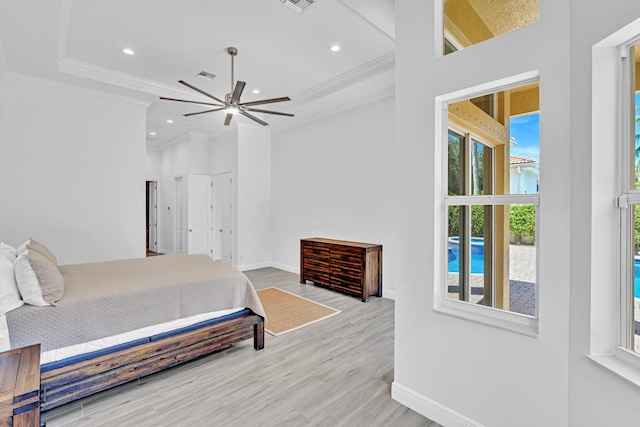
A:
(231, 104)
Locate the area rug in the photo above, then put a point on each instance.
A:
(287, 312)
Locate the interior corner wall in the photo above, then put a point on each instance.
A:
(72, 171)
(335, 178)
(253, 189)
(189, 154)
(455, 371)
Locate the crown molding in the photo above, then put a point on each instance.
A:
(365, 71)
(105, 75)
(328, 112)
(67, 86)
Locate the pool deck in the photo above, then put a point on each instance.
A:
(522, 281)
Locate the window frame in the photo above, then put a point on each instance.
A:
(611, 241)
(490, 316)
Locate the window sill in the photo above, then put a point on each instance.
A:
(512, 322)
(621, 364)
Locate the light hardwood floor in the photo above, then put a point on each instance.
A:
(336, 372)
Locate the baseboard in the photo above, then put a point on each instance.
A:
(388, 294)
(429, 408)
(285, 267)
(255, 266)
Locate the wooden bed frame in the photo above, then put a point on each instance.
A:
(78, 380)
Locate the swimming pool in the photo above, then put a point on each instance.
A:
(477, 255)
(477, 261)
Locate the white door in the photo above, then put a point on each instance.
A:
(180, 223)
(200, 214)
(153, 216)
(226, 219)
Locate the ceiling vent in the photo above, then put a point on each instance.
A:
(206, 75)
(297, 6)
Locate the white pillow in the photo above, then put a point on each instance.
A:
(9, 295)
(8, 251)
(39, 281)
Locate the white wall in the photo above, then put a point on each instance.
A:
(72, 171)
(224, 158)
(153, 164)
(334, 178)
(189, 154)
(459, 372)
(253, 208)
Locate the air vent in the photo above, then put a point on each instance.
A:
(206, 75)
(297, 6)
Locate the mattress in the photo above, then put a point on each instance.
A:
(114, 341)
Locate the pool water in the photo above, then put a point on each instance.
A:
(477, 261)
(636, 278)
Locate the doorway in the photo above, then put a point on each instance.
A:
(152, 217)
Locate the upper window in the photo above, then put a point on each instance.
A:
(491, 199)
(467, 22)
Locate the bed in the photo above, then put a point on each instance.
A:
(121, 320)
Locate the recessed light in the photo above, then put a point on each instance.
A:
(334, 48)
(152, 133)
(128, 51)
(169, 121)
(255, 91)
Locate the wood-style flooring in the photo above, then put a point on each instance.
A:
(336, 372)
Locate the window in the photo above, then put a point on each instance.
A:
(490, 224)
(630, 202)
(467, 22)
(615, 227)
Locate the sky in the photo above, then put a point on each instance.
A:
(526, 131)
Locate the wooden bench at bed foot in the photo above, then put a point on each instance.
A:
(71, 382)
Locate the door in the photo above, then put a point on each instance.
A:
(180, 223)
(226, 219)
(200, 214)
(152, 216)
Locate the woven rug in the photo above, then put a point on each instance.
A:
(287, 312)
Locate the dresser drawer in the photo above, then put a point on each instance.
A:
(316, 252)
(347, 258)
(320, 277)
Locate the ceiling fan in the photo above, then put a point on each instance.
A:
(231, 104)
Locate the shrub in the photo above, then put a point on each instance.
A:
(522, 222)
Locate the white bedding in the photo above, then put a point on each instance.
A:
(74, 350)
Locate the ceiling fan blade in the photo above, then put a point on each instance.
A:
(254, 118)
(192, 102)
(202, 112)
(200, 91)
(235, 97)
(227, 119)
(265, 101)
(257, 110)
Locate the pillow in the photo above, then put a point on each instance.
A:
(9, 295)
(8, 251)
(39, 281)
(38, 247)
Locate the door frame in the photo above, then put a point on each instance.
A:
(156, 181)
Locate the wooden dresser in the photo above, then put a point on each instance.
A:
(351, 267)
(20, 387)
